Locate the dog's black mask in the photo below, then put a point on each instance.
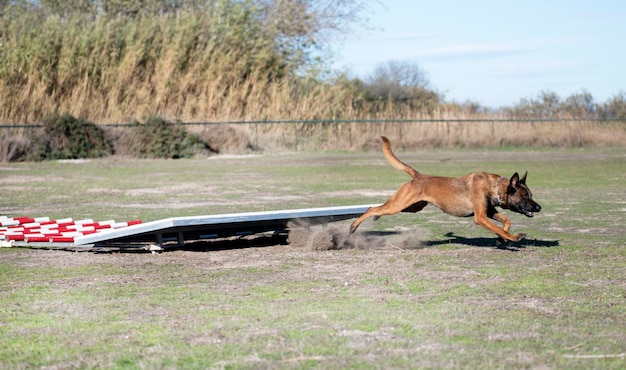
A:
(520, 198)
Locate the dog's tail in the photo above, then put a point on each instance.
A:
(395, 162)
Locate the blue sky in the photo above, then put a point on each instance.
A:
(497, 52)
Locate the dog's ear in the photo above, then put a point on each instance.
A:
(523, 179)
(513, 184)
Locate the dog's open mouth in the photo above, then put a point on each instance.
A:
(524, 212)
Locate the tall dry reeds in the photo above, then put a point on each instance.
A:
(215, 64)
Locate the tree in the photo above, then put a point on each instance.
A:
(400, 82)
(614, 108)
(399, 74)
(396, 80)
(547, 106)
(580, 105)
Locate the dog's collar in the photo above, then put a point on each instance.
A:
(499, 199)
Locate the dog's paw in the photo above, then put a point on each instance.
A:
(521, 236)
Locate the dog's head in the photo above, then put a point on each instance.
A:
(520, 198)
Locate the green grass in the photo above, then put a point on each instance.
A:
(555, 301)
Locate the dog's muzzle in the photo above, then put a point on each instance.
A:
(535, 208)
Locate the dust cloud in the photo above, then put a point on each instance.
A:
(332, 237)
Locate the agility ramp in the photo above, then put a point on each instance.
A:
(159, 234)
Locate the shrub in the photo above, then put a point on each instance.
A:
(67, 137)
(158, 138)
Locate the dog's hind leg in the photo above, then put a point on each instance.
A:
(413, 208)
(406, 198)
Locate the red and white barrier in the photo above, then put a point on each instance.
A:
(42, 229)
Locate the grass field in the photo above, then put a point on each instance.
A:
(432, 291)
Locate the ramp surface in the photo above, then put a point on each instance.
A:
(177, 230)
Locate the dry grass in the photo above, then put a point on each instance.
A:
(14, 143)
(429, 134)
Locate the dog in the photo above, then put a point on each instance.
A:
(476, 194)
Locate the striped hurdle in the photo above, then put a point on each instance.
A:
(42, 229)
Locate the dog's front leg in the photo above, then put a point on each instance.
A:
(480, 218)
(506, 223)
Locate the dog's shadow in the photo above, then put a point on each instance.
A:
(482, 242)
(491, 242)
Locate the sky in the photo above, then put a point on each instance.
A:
(496, 53)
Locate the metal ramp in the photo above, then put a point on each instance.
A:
(175, 231)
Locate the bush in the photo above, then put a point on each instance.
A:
(67, 137)
(158, 138)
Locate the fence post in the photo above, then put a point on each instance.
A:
(350, 133)
(295, 134)
(256, 135)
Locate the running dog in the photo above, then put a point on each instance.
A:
(476, 194)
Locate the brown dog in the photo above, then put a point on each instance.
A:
(476, 194)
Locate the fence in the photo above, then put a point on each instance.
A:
(307, 135)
